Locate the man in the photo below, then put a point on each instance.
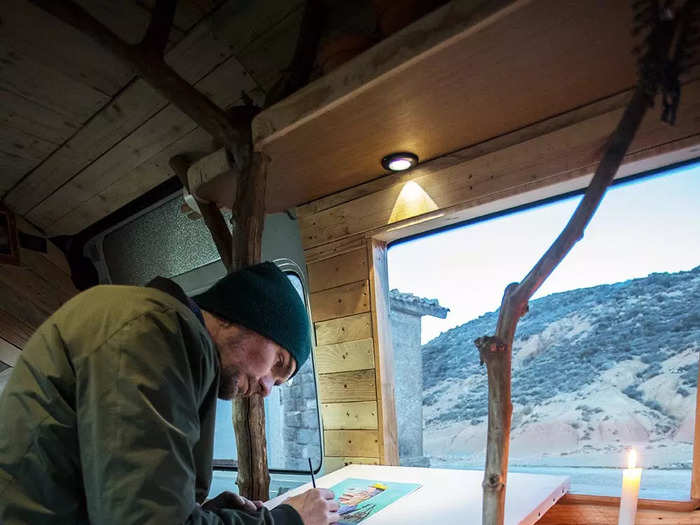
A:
(108, 417)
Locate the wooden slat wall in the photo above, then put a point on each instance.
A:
(343, 237)
(29, 293)
(349, 382)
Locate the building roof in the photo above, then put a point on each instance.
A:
(409, 303)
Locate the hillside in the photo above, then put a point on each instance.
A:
(594, 370)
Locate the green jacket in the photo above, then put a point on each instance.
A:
(108, 417)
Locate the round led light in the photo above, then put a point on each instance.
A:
(399, 161)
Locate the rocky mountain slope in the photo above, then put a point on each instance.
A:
(594, 370)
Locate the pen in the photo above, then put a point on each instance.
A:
(311, 471)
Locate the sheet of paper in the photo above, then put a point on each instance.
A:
(361, 498)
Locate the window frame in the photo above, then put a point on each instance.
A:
(403, 232)
(288, 266)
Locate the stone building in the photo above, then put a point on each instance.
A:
(405, 314)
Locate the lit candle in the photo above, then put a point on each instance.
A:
(631, 477)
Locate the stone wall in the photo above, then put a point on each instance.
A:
(302, 437)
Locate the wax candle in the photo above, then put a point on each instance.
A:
(631, 477)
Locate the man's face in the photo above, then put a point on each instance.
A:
(250, 363)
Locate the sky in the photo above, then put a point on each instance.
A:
(643, 226)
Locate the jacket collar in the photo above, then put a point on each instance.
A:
(173, 289)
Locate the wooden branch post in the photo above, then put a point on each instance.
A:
(210, 214)
(249, 413)
(496, 351)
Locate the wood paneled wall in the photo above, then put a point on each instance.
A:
(343, 237)
(29, 293)
(357, 427)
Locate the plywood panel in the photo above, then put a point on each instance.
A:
(344, 329)
(464, 92)
(344, 300)
(347, 386)
(351, 443)
(331, 464)
(361, 415)
(539, 159)
(343, 357)
(339, 270)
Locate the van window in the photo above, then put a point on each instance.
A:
(605, 359)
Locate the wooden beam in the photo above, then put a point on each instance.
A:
(161, 76)
(249, 414)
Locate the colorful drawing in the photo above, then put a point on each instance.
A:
(361, 498)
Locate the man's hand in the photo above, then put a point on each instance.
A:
(229, 500)
(316, 507)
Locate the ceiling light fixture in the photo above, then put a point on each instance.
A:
(399, 161)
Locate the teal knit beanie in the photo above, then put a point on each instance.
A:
(262, 299)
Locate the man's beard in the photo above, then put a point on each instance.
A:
(228, 384)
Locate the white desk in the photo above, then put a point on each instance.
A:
(448, 496)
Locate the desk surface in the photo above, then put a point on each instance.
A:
(447, 495)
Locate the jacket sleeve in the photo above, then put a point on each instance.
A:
(138, 398)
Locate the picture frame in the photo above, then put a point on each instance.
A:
(9, 245)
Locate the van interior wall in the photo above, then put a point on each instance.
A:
(338, 231)
(29, 293)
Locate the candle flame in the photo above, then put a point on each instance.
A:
(632, 458)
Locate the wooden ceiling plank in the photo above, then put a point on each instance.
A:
(33, 32)
(29, 117)
(272, 52)
(24, 145)
(188, 12)
(166, 127)
(126, 19)
(136, 182)
(157, 133)
(12, 168)
(194, 57)
(73, 99)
